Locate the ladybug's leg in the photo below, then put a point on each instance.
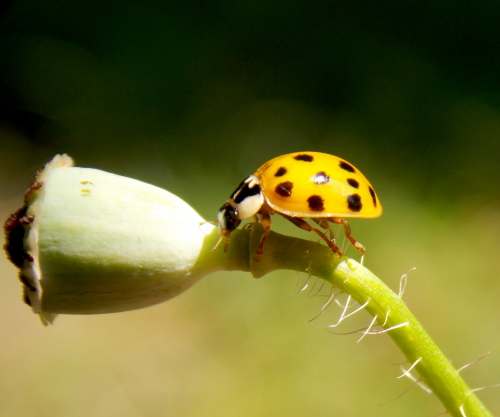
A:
(347, 231)
(297, 221)
(266, 222)
(250, 225)
(324, 224)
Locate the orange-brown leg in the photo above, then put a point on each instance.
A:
(324, 224)
(250, 225)
(266, 223)
(347, 231)
(297, 221)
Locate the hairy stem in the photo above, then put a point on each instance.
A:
(284, 252)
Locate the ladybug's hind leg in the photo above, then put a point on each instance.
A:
(297, 221)
(347, 231)
(325, 225)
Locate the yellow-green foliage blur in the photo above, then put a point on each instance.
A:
(194, 96)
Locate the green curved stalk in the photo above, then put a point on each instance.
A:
(284, 252)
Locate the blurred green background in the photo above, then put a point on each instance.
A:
(193, 96)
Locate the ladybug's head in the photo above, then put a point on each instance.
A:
(246, 201)
(228, 219)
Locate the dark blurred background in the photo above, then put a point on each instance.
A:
(193, 96)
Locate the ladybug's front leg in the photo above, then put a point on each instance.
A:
(250, 225)
(347, 231)
(266, 223)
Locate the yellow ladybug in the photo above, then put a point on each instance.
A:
(298, 186)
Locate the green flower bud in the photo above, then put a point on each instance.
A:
(90, 242)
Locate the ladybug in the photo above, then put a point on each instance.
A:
(298, 186)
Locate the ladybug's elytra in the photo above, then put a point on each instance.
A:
(298, 186)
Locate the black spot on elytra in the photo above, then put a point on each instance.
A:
(354, 202)
(348, 167)
(321, 178)
(284, 189)
(280, 172)
(304, 157)
(316, 203)
(353, 183)
(372, 193)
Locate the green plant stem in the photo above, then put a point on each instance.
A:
(284, 252)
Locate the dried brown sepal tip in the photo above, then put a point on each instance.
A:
(19, 246)
(91, 242)
(14, 227)
(15, 230)
(14, 236)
